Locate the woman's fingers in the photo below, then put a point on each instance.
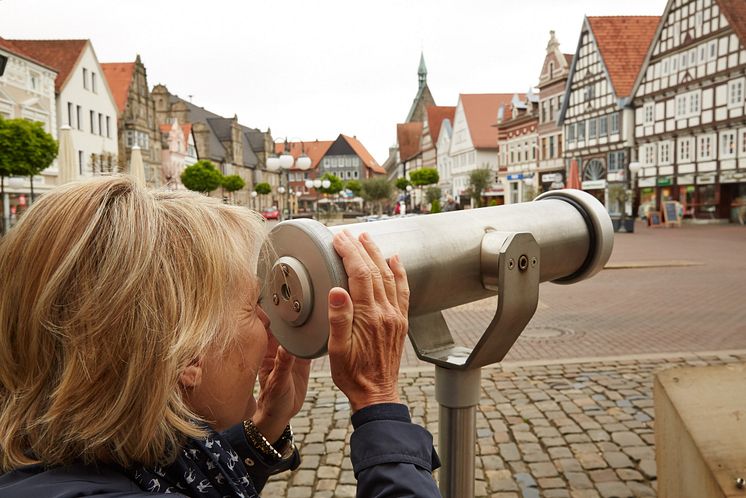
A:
(379, 291)
(402, 284)
(387, 276)
(358, 273)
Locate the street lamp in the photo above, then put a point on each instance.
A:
(409, 194)
(317, 184)
(253, 199)
(285, 162)
(634, 168)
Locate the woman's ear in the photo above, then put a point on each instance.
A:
(191, 376)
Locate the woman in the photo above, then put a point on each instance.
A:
(131, 339)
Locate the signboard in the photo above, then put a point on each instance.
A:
(551, 177)
(685, 180)
(705, 179)
(654, 219)
(672, 213)
(515, 176)
(594, 184)
(732, 177)
(646, 182)
(664, 181)
(552, 181)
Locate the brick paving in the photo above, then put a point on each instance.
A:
(545, 429)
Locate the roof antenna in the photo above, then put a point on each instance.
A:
(190, 98)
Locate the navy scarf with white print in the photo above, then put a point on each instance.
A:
(206, 467)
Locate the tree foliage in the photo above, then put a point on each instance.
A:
(336, 184)
(424, 176)
(262, 188)
(201, 177)
(401, 183)
(479, 180)
(377, 190)
(233, 183)
(354, 186)
(25, 149)
(433, 194)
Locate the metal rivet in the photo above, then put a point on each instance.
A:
(296, 306)
(740, 483)
(285, 269)
(275, 299)
(523, 262)
(248, 461)
(511, 264)
(533, 262)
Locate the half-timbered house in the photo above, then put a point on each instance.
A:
(690, 116)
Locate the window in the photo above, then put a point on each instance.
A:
(79, 117)
(93, 117)
(694, 103)
(735, 92)
(685, 149)
(34, 80)
(603, 126)
(85, 78)
(551, 146)
(712, 49)
(704, 147)
(687, 105)
(581, 131)
(649, 113)
(648, 154)
(129, 138)
(614, 123)
(100, 124)
(571, 133)
(693, 57)
(93, 82)
(727, 144)
(70, 114)
(664, 152)
(664, 69)
(592, 128)
(80, 162)
(108, 128)
(616, 160)
(681, 105)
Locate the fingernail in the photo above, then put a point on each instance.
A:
(337, 299)
(365, 237)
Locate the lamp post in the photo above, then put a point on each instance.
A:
(253, 194)
(634, 168)
(317, 184)
(409, 198)
(285, 162)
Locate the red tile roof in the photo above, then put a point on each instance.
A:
(480, 110)
(408, 136)
(15, 49)
(435, 117)
(623, 42)
(568, 58)
(186, 129)
(59, 54)
(735, 12)
(315, 150)
(364, 155)
(119, 77)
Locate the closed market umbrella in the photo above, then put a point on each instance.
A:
(137, 168)
(67, 167)
(573, 179)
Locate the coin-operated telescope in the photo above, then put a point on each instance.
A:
(453, 258)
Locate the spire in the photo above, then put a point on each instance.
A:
(553, 43)
(422, 71)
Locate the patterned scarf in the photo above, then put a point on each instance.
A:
(205, 468)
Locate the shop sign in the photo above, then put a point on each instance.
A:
(732, 177)
(664, 181)
(515, 176)
(646, 182)
(685, 180)
(551, 177)
(705, 179)
(594, 184)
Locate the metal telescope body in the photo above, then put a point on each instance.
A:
(453, 258)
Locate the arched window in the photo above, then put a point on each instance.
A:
(595, 169)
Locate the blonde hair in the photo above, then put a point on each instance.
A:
(108, 292)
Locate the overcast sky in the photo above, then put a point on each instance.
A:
(314, 69)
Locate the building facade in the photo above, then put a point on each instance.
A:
(178, 151)
(84, 101)
(136, 121)
(518, 157)
(444, 161)
(597, 114)
(26, 92)
(691, 114)
(552, 80)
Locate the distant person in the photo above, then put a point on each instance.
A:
(132, 338)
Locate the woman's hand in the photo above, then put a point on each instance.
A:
(367, 325)
(283, 382)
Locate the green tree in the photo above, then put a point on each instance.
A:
(336, 184)
(201, 177)
(262, 188)
(25, 150)
(354, 186)
(479, 180)
(233, 183)
(401, 183)
(433, 194)
(424, 176)
(377, 190)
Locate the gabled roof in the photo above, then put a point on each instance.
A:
(408, 136)
(119, 77)
(315, 150)
(186, 130)
(435, 117)
(623, 43)
(14, 49)
(568, 58)
(59, 54)
(480, 111)
(735, 12)
(364, 155)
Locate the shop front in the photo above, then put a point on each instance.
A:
(733, 196)
(13, 207)
(552, 181)
(597, 188)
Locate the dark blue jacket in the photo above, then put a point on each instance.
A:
(390, 457)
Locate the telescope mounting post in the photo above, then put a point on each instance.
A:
(510, 264)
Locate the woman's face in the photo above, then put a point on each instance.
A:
(224, 395)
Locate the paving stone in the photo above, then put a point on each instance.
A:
(640, 490)
(618, 460)
(327, 472)
(535, 457)
(591, 461)
(492, 462)
(578, 480)
(568, 465)
(506, 495)
(326, 485)
(543, 469)
(509, 452)
(345, 491)
(525, 480)
(648, 469)
(626, 438)
(309, 462)
(300, 492)
(550, 482)
(559, 452)
(603, 475)
(585, 493)
(501, 480)
(629, 475)
(614, 490)
(556, 493)
(304, 478)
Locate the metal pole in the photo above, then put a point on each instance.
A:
(457, 393)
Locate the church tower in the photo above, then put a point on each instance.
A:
(424, 98)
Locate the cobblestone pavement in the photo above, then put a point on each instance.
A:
(551, 429)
